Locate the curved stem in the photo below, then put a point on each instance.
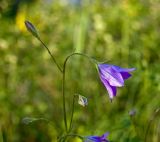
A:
(81, 54)
(63, 81)
(54, 60)
(63, 88)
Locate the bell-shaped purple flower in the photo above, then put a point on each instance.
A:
(113, 76)
(102, 138)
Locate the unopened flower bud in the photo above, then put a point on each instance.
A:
(31, 29)
(82, 101)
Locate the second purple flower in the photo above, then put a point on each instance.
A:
(102, 138)
(113, 76)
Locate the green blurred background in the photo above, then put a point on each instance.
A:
(125, 32)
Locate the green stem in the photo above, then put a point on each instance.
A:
(73, 102)
(54, 60)
(63, 88)
(81, 54)
(63, 82)
(63, 93)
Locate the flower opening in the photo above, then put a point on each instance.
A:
(113, 76)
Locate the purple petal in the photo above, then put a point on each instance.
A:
(119, 69)
(93, 138)
(104, 65)
(126, 75)
(113, 77)
(97, 138)
(111, 89)
(105, 135)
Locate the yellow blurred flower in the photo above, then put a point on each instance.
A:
(20, 18)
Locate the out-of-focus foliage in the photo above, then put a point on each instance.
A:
(125, 32)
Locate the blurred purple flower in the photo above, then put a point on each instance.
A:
(132, 112)
(97, 138)
(113, 76)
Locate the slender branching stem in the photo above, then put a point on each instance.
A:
(54, 60)
(63, 89)
(63, 82)
(72, 113)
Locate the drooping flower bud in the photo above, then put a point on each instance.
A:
(82, 101)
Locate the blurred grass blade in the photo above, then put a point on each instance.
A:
(1, 136)
(30, 27)
(80, 33)
(28, 120)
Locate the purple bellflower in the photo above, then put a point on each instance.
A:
(113, 76)
(97, 138)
